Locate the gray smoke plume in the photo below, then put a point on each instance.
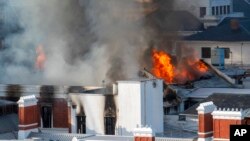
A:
(84, 43)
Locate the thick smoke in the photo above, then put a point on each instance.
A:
(99, 40)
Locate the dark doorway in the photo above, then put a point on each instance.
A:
(46, 112)
(109, 125)
(81, 124)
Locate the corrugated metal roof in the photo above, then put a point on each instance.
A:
(8, 123)
(6, 102)
(57, 136)
(8, 136)
(223, 100)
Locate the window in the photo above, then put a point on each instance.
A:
(227, 53)
(46, 112)
(202, 11)
(225, 9)
(81, 124)
(205, 52)
(217, 10)
(213, 10)
(109, 125)
(182, 118)
(228, 9)
(221, 10)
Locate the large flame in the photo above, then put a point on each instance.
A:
(186, 69)
(163, 67)
(41, 57)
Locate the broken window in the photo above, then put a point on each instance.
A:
(109, 125)
(46, 112)
(109, 115)
(81, 124)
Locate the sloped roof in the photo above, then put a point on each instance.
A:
(9, 123)
(224, 32)
(242, 6)
(6, 102)
(8, 136)
(169, 21)
(221, 100)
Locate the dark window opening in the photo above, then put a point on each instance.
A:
(109, 125)
(202, 11)
(176, 108)
(227, 53)
(217, 10)
(205, 52)
(182, 118)
(8, 109)
(221, 10)
(228, 9)
(213, 10)
(165, 111)
(46, 113)
(225, 9)
(81, 124)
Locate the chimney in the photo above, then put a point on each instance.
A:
(27, 114)
(223, 118)
(234, 24)
(205, 131)
(144, 134)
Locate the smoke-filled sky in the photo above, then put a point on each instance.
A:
(83, 45)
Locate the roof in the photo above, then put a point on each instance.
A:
(69, 137)
(6, 102)
(8, 136)
(110, 138)
(206, 92)
(57, 136)
(242, 6)
(9, 123)
(224, 32)
(223, 100)
(167, 21)
(137, 80)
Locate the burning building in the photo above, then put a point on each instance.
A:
(89, 110)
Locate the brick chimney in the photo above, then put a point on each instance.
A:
(205, 131)
(27, 115)
(222, 119)
(144, 134)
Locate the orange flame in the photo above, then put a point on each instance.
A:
(163, 67)
(41, 57)
(187, 69)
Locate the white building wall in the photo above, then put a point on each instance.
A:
(140, 103)
(154, 104)
(193, 6)
(94, 110)
(129, 107)
(237, 48)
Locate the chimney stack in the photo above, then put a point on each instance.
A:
(223, 118)
(144, 134)
(205, 131)
(27, 114)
